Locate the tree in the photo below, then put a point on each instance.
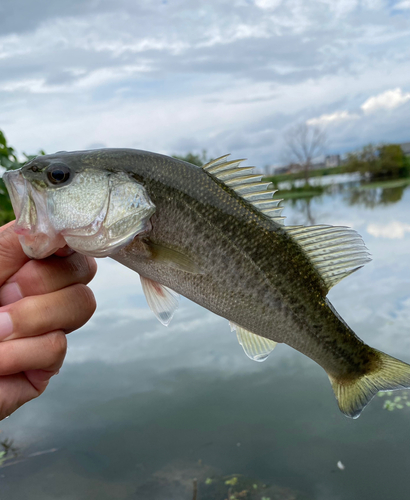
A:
(9, 161)
(304, 143)
(378, 162)
(198, 160)
(364, 161)
(7, 155)
(391, 160)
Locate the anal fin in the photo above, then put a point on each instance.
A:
(255, 347)
(162, 300)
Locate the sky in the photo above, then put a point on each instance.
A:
(174, 76)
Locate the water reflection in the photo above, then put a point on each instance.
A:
(8, 450)
(139, 410)
(304, 209)
(371, 197)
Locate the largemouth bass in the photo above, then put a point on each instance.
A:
(215, 235)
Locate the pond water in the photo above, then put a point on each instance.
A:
(139, 410)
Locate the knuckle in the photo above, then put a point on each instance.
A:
(5, 409)
(57, 343)
(8, 244)
(81, 267)
(86, 297)
(39, 275)
(40, 310)
(92, 267)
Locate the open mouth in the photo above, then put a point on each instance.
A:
(50, 219)
(36, 235)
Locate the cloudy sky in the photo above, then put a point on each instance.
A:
(173, 76)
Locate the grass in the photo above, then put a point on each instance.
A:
(320, 172)
(303, 192)
(386, 184)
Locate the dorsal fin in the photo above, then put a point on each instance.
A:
(335, 251)
(247, 185)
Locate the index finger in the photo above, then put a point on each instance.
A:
(12, 257)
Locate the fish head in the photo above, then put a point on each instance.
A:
(72, 199)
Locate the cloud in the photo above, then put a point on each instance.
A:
(404, 5)
(227, 77)
(387, 100)
(268, 4)
(332, 118)
(393, 230)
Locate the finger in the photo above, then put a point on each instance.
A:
(12, 257)
(66, 309)
(40, 357)
(39, 277)
(64, 252)
(45, 352)
(15, 391)
(9, 224)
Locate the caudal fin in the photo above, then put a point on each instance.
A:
(354, 395)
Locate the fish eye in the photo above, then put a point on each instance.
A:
(58, 173)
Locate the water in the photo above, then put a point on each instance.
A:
(139, 410)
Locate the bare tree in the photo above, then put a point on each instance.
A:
(304, 143)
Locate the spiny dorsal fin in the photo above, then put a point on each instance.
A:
(255, 347)
(247, 185)
(335, 251)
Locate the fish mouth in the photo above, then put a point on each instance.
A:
(47, 219)
(36, 235)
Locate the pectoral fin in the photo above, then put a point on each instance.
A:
(162, 301)
(255, 347)
(173, 258)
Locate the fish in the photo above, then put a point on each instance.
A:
(214, 234)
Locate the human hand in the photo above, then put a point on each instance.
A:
(40, 302)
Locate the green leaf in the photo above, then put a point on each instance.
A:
(232, 482)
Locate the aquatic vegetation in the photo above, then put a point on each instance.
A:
(398, 403)
(232, 482)
(239, 487)
(8, 450)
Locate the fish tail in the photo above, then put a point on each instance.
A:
(352, 396)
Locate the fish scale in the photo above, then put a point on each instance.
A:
(216, 236)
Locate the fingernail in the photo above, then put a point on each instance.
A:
(6, 325)
(10, 293)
